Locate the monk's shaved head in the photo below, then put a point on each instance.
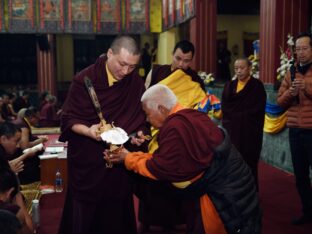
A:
(127, 43)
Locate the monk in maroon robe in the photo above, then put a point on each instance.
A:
(100, 199)
(31, 172)
(198, 159)
(243, 108)
(158, 204)
(48, 113)
(182, 57)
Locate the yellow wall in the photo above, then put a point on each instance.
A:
(155, 16)
(235, 25)
(166, 43)
(64, 58)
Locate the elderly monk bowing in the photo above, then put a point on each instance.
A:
(99, 199)
(158, 207)
(198, 159)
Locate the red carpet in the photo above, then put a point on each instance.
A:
(278, 197)
(280, 202)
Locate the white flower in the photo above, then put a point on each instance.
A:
(290, 41)
(285, 58)
(207, 78)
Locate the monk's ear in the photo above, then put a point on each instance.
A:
(163, 110)
(109, 52)
(8, 194)
(3, 138)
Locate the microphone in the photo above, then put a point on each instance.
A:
(293, 76)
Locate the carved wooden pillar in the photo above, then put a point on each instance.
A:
(46, 66)
(278, 18)
(203, 30)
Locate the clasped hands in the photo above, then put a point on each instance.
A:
(115, 157)
(120, 155)
(17, 164)
(296, 86)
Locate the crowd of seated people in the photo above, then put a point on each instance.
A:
(24, 116)
(19, 152)
(11, 199)
(13, 107)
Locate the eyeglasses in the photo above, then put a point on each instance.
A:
(303, 49)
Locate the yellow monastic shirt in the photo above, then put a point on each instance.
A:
(110, 77)
(241, 84)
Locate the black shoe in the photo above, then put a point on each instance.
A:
(302, 220)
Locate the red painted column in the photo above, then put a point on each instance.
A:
(203, 30)
(46, 67)
(278, 18)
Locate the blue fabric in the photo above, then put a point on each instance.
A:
(273, 109)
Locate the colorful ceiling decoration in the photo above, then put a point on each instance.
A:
(92, 16)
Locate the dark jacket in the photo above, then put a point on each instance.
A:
(231, 187)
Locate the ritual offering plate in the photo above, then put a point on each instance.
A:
(115, 136)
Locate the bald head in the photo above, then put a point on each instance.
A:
(126, 42)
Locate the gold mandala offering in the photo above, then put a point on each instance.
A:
(116, 137)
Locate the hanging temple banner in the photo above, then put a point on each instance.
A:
(79, 16)
(164, 15)
(21, 15)
(108, 16)
(179, 11)
(2, 17)
(89, 16)
(51, 16)
(137, 16)
(189, 9)
(171, 13)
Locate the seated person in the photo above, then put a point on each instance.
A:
(10, 155)
(6, 111)
(199, 160)
(22, 101)
(31, 171)
(1, 104)
(29, 120)
(9, 223)
(49, 116)
(11, 199)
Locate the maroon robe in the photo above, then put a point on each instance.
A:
(107, 189)
(31, 170)
(243, 118)
(48, 116)
(160, 205)
(187, 141)
(9, 207)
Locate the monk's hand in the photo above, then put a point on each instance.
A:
(115, 158)
(139, 138)
(94, 133)
(16, 165)
(43, 138)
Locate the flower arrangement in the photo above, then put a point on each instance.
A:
(207, 78)
(254, 59)
(254, 65)
(285, 59)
